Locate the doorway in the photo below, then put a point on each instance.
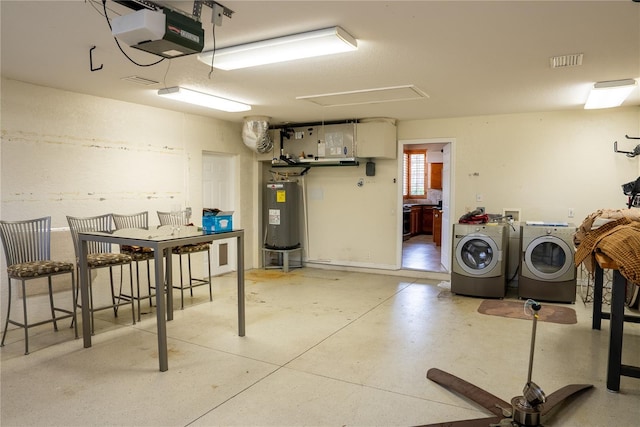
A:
(423, 247)
(218, 191)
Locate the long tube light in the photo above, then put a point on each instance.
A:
(288, 48)
(203, 99)
(609, 94)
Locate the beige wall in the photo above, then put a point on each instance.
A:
(543, 163)
(65, 153)
(353, 225)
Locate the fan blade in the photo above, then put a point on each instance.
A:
(559, 395)
(483, 398)
(477, 422)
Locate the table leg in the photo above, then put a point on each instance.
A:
(597, 297)
(616, 326)
(160, 311)
(240, 274)
(84, 296)
(169, 258)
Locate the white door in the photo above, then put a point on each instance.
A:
(218, 191)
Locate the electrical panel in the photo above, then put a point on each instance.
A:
(315, 144)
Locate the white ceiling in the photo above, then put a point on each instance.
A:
(471, 58)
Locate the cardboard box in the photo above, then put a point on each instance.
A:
(216, 221)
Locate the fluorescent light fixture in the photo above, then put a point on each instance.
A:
(203, 99)
(609, 94)
(296, 46)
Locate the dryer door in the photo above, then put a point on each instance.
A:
(477, 254)
(549, 258)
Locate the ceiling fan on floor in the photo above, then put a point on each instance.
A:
(523, 411)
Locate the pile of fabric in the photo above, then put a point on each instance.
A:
(476, 216)
(615, 233)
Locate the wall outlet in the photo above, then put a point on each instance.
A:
(571, 213)
(478, 197)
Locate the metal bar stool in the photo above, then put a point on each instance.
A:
(100, 256)
(179, 219)
(138, 254)
(27, 248)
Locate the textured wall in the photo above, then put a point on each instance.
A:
(70, 154)
(543, 163)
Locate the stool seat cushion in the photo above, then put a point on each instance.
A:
(130, 248)
(186, 249)
(137, 253)
(38, 268)
(107, 259)
(140, 256)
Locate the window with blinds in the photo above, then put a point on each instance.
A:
(414, 171)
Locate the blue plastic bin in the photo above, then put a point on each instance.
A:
(217, 222)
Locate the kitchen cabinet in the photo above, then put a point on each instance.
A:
(437, 226)
(427, 219)
(416, 220)
(376, 139)
(435, 176)
(406, 223)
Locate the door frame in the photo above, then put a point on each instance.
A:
(447, 191)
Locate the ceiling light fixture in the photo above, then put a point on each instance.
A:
(609, 94)
(203, 99)
(288, 48)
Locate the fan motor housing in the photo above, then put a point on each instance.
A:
(523, 413)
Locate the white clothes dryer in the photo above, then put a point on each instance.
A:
(479, 260)
(547, 268)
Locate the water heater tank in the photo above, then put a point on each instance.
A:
(282, 204)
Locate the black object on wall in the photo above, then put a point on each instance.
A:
(371, 169)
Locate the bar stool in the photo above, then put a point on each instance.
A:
(180, 219)
(100, 256)
(138, 254)
(27, 248)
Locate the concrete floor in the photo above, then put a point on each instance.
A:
(323, 348)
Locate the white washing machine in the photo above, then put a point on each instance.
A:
(547, 269)
(479, 260)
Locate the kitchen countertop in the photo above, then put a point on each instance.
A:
(409, 205)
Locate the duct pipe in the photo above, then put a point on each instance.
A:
(255, 134)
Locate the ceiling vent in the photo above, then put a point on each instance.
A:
(367, 96)
(563, 61)
(140, 80)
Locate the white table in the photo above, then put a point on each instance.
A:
(161, 240)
